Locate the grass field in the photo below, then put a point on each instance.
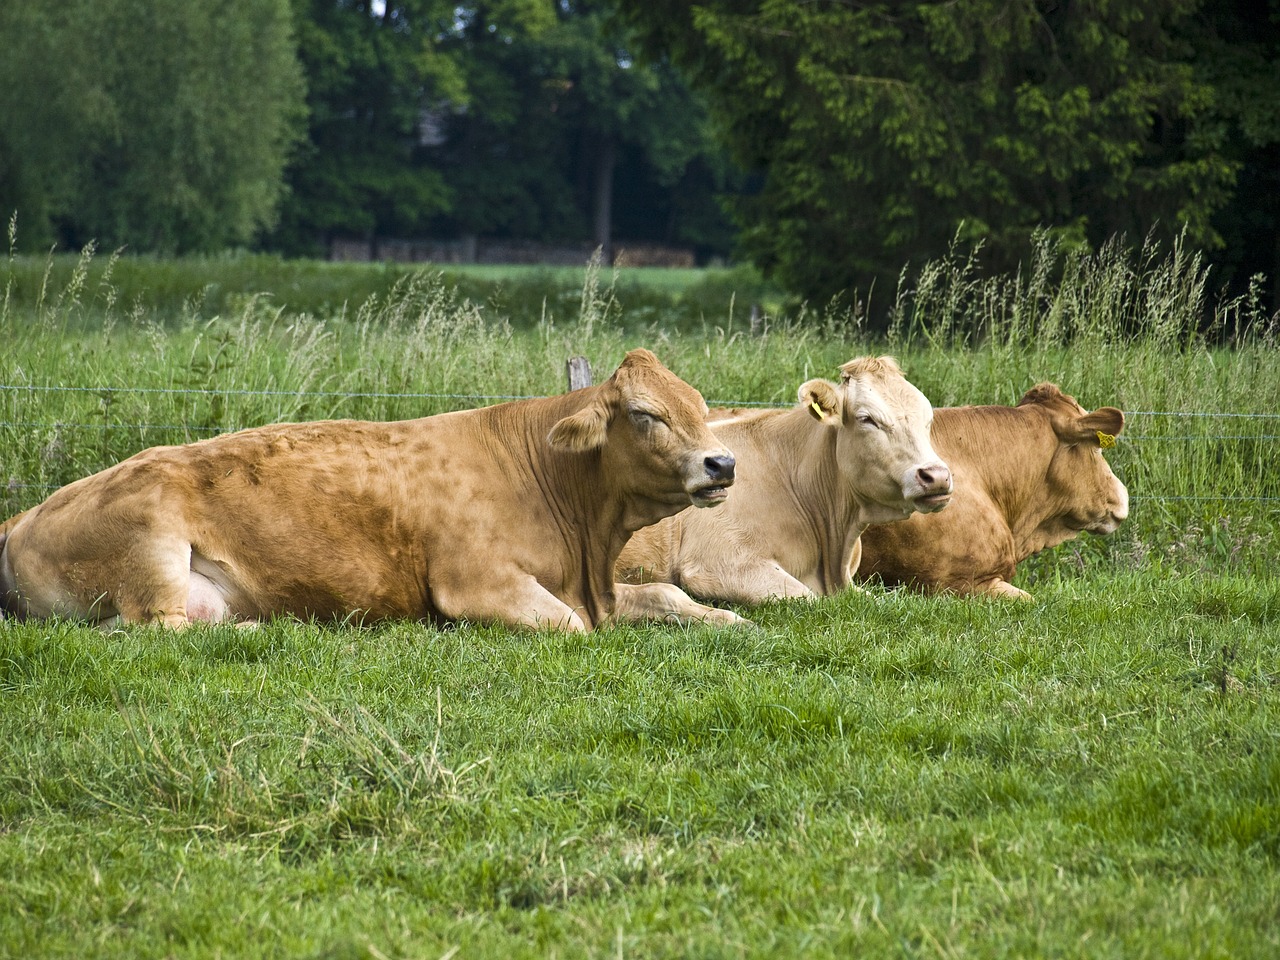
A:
(1094, 774)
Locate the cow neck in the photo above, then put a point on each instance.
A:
(802, 453)
(1016, 483)
(580, 503)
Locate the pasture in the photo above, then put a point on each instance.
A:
(1092, 774)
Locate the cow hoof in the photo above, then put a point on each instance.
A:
(727, 618)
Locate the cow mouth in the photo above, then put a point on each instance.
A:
(932, 502)
(1107, 525)
(709, 496)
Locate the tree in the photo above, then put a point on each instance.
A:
(880, 130)
(376, 72)
(558, 109)
(170, 121)
(1238, 51)
(497, 118)
(51, 106)
(502, 151)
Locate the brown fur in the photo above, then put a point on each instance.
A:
(514, 513)
(1027, 478)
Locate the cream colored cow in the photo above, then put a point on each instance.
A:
(1027, 478)
(810, 480)
(513, 513)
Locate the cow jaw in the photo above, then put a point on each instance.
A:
(931, 503)
(934, 497)
(1117, 511)
(710, 496)
(712, 476)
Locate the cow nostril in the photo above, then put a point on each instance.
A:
(720, 468)
(938, 475)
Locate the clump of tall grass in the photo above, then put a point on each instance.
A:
(338, 775)
(1068, 295)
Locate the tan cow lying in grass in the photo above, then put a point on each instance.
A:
(1027, 478)
(513, 513)
(810, 480)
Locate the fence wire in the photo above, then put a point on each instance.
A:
(109, 393)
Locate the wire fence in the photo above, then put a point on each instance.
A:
(1130, 449)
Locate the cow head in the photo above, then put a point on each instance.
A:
(883, 447)
(1082, 493)
(650, 429)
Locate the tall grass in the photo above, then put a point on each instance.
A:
(90, 376)
(1065, 295)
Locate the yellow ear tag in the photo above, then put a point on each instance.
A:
(1106, 440)
(822, 414)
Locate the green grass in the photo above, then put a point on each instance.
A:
(159, 289)
(1094, 774)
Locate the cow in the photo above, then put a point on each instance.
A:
(514, 513)
(810, 480)
(1027, 478)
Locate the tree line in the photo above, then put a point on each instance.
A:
(829, 143)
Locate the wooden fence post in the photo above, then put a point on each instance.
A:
(579, 373)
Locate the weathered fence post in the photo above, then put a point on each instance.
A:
(579, 373)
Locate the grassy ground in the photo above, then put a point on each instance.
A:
(1095, 775)
(880, 774)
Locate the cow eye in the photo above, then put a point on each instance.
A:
(643, 419)
(868, 421)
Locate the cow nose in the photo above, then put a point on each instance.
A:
(934, 475)
(720, 467)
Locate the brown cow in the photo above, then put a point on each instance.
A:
(810, 479)
(513, 513)
(1027, 478)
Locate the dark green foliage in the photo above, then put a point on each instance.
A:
(882, 131)
(521, 119)
(370, 78)
(161, 126)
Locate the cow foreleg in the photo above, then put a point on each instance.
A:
(1001, 589)
(667, 602)
(748, 583)
(517, 600)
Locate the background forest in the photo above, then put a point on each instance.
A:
(829, 144)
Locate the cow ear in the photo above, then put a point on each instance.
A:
(1099, 427)
(822, 400)
(585, 430)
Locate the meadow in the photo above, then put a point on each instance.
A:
(1092, 774)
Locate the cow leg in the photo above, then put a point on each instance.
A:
(172, 585)
(104, 573)
(666, 601)
(518, 600)
(747, 582)
(157, 587)
(1001, 589)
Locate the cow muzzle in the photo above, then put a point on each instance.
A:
(932, 487)
(1116, 514)
(713, 488)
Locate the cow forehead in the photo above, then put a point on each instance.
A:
(1051, 397)
(654, 387)
(892, 396)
